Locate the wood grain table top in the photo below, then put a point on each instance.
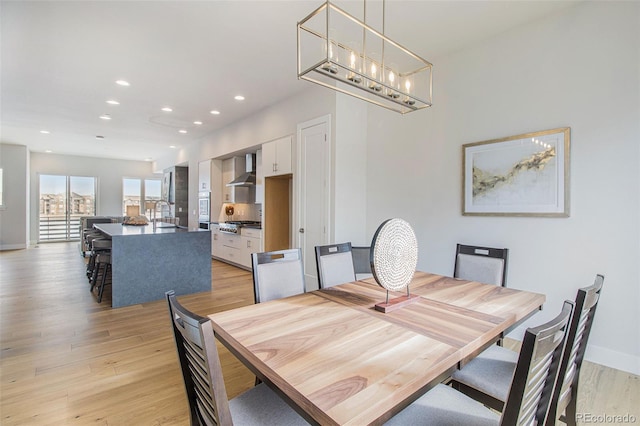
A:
(342, 362)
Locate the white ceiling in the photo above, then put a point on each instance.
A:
(60, 61)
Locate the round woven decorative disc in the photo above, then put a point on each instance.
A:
(394, 254)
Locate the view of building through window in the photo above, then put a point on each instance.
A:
(63, 200)
(134, 190)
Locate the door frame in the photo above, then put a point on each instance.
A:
(324, 119)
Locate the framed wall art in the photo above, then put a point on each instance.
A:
(522, 175)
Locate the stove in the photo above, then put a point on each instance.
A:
(233, 226)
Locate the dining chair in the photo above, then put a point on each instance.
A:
(277, 274)
(362, 261)
(487, 377)
(529, 394)
(335, 264)
(204, 383)
(483, 264)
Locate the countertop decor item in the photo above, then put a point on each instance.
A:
(229, 210)
(394, 257)
(139, 220)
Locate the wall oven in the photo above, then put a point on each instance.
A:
(204, 209)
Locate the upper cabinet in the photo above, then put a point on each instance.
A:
(204, 176)
(276, 157)
(231, 169)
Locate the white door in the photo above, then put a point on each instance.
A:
(314, 166)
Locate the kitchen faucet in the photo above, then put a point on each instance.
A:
(155, 207)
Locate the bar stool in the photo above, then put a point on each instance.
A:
(99, 246)
(92, 256)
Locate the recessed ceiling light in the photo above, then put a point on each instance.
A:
(113, 102)
(215, 112)
(167, 109)
(122, 83)
(182, 131)
(45, 132)
(105, 117)
(239, 98)
(48, 151)
(99, 137)
(148, 159)
(197, 123)
(172, 146)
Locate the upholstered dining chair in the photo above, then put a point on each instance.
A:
(204, 384)
(335, 264)
(361, 261)
(277, 274)
(487, 377)
(529, 394)
(483, 264)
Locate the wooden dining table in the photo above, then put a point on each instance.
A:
(337, 360)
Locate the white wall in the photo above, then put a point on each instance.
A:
(350, 176)
(14, 161)
(108, 172)
(578, 69)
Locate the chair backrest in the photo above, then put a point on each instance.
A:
(483, 264)
(362, 261)
(200, 363)
(577, 337)
(335, 264)
(536, 372)
(277, 274)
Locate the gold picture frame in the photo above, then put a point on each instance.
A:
(521, 175)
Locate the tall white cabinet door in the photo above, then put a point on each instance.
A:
(314, 175)
(259, 178)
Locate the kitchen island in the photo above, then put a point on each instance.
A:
(147, 263)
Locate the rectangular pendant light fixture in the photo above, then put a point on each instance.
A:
(338, 51)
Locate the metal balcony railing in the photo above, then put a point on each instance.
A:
(58, 228)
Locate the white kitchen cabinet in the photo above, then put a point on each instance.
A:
(235, 248)
(216, 242)
(251, 242)
(231, 248)
(204, 176)
(231, 169)
(259, 178)
(276, 157)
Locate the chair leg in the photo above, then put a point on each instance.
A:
(93, 279)
(570, 413)
(91, 264)
(107, 268)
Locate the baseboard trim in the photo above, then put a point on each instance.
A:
(614, 359)
(4, 247)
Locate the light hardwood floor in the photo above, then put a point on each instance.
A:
(68, 360)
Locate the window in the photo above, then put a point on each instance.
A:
(152, 189)
(132, 194)
(63, 201)
(135, 190)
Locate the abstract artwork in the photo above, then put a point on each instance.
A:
(522, 175)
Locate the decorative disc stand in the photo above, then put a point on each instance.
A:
(394, 256)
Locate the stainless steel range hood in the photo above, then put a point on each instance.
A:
(249, 177)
